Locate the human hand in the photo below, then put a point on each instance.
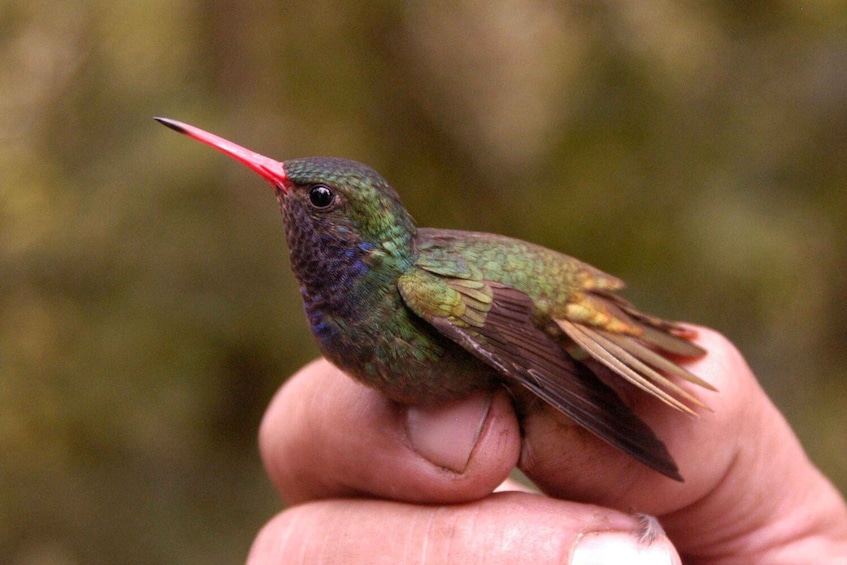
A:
(370, 481)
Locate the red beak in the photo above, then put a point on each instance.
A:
(272, 171)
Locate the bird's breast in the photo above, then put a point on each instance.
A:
(387, 347)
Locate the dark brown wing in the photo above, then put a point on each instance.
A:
(582, 301)
(494, 323)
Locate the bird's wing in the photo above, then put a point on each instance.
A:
(581, 302)
(494, 322)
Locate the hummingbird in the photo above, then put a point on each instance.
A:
(430, 315)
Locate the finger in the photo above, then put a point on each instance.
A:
(503, 528)
(745, 472)
(326, 436)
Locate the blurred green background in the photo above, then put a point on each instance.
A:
(147, 315)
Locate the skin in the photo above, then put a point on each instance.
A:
(401, 490)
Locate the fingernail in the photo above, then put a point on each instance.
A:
(446, 435)
(600, 548)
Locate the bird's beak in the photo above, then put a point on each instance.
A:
(272, 171)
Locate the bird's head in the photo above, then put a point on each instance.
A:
(324, 199)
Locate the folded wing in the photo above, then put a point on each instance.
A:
(494, 322)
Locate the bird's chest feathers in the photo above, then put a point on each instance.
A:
(370, 333)
(356, 313)
(349, 291)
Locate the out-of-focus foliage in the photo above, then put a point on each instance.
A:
(697, 149)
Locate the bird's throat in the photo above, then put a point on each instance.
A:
(343, 278)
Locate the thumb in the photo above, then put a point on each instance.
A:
(327, 436)
(447, 434)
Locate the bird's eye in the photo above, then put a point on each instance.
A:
(321, 196)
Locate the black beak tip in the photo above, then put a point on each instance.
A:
(173, 124)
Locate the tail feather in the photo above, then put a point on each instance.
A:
(637, 353)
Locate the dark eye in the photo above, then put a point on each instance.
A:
(321, 196)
